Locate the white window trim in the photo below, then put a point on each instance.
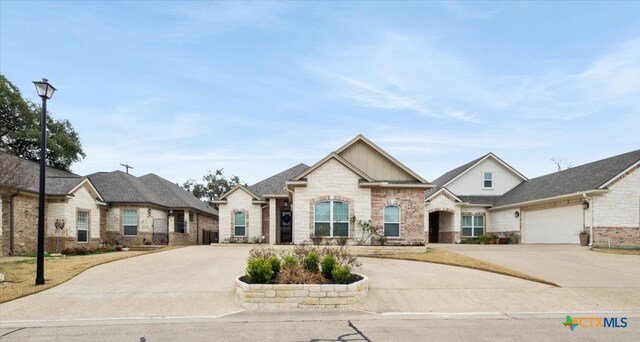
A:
(137, 223)
(399, 219)
(483, 180)
(331, 220)
(78, 211)
(473, 226)
(244, 225)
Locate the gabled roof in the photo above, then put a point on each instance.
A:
(120, 187)
(336, 157)
(58, 182)
(591, 176)
(275, 185)
(451, 175)
(239, 187)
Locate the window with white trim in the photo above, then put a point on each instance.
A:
(487, 179)
(331, 218)
(239, 224)
(392, 221)
(129, 222)
(472, 225)
(82, 226)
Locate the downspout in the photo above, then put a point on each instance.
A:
(11, 219)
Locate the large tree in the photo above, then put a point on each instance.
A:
(20, 130)
(214, 186)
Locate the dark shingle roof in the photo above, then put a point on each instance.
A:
(58, 182)
(479, 199)
(576, 179)
(120, 187)
(274, 185)
(448, 176)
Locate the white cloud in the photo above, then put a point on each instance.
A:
(463, 116)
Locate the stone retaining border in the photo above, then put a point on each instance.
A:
(285, 296)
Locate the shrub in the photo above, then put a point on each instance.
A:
(81, 251)
(275, 264)
(117, 248)
(68, 251)
(483, 239)
(343, 255)
(259, 271)
(317, 240)
(473, 241)
(341, 274)
(342, 241)
(310, 262)
(298, 275)
(289, 261)
(148, 243)
(328, 263)
(262, 252)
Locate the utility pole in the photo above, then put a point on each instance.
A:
(127, 167)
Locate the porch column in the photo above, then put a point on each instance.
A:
(272, 221)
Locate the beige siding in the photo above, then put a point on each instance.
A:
(82, 199)
(620, 207)
(373, 163)
(471, 183)
(239, 200)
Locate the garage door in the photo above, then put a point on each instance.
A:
(554, 225)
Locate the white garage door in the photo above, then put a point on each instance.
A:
(554, 225)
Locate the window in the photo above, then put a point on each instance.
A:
(130, 222)
(472, 225)
(82, 226)
(239, 228)
(392, 221)
(331, 218)
(487, 178)
(179, 226)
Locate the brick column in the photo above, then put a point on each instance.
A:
(272, 221)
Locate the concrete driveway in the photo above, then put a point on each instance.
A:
(197, 281)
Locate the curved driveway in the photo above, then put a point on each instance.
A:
(198, 281)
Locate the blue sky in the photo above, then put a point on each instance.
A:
(179, 88)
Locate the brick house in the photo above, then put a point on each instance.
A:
(358, 181)
(101, 208)
(486, 195)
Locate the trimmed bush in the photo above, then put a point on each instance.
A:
(310, 262)
(328, 263)
(275, 264)
(299, 275)
(341, 274)
(259, 271)
(289, 261)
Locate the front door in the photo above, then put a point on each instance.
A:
(286, 226)
(434, 226)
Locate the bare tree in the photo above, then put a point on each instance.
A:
(561, 163)
(10, 172)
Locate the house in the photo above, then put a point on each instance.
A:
(486, 195)
(101, 208)
(357, 182)
(457, 205)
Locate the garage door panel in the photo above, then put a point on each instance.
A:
(553, 225)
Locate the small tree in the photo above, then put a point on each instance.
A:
(214, 186)
(367, 229)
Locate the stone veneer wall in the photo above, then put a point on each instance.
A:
(276, 296)
(331, 180)
(449, 223)
(616, 236)
(237, 201)
(411, 203)
(25, 223)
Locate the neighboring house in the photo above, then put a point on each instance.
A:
(101, 208)
(359, 181)
(601, 198)
(70, 198)
(150, 208)
(457, 205)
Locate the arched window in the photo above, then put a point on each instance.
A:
(239, 225)
(331, 218)
(392, 221)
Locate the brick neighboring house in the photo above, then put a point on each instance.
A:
(358, 181)
(95, 209)
(486, 195)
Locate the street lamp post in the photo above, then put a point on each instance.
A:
(45, 91)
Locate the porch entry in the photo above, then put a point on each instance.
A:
(441, 227)
(434, 226)
(286, 226)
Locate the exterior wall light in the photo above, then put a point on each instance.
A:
(585, 205)
(516, 214)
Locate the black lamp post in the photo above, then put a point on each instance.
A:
(45, 91)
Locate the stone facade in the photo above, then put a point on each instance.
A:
(622, 237)
(240, 201)
(450, 219)
(25, 223)
(503, 221)
(332, 180)
(411, 204)
(275, 296)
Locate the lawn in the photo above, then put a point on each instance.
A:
(439, 256)
(616, 251)
(20, 275)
